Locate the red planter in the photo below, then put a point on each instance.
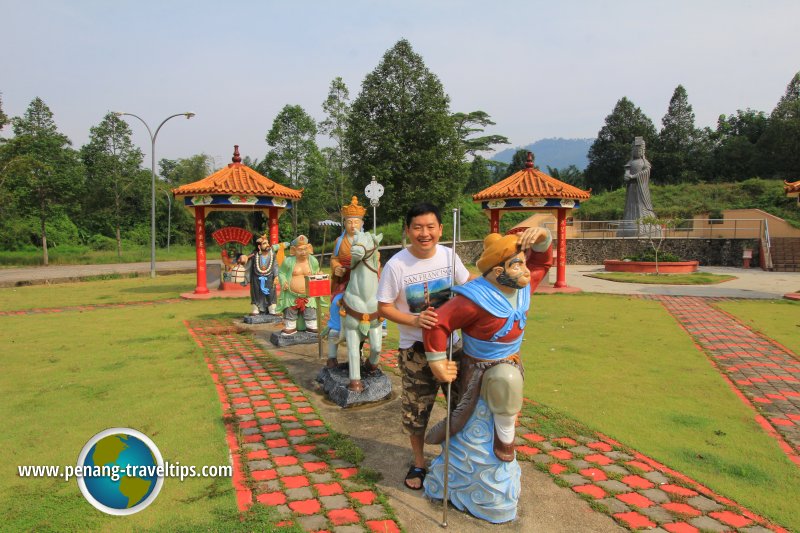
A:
(649, 267)
(228, 286)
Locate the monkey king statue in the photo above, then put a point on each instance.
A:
(491, 312)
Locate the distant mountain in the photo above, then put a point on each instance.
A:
(556, 153)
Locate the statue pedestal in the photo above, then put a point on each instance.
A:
(262, 319)
(335, 380)
(301, 337)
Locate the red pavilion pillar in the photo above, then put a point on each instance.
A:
(273, 225)
(494, 221)
(200, 248)
(561, 262)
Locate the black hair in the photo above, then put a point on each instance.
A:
(422, 208)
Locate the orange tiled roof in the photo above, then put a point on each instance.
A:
(237, 178)
(792, 188)
(531, 183)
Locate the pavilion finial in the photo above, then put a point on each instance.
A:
(236, 159)
(529, 162)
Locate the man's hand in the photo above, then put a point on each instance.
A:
(426, 319)
(338, 271)
(444, 370)
(532, 236)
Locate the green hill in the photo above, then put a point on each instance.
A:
(688, 199)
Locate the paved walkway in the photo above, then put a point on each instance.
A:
(764, 374)
(277, 441)
(12, 277)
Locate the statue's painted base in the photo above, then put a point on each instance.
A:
(335, 380)
(478, 482)
(263, 318)
(301, 337)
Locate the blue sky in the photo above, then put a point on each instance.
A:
(540, 69)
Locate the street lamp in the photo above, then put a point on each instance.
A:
(153, 136)
(169, 217)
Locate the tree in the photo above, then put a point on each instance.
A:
(176, 172)
(612, 148)
(114, 178)
(3, 116)
(475, 122)
(677, 141)
(734, 145)
(401, 132)
(518, 162)
(337, 109)
(779, 147)
(293, 148)
(570, 174)
(42, 170)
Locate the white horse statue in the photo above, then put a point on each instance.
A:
(359, 307)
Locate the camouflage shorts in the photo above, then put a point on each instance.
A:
(420, 388)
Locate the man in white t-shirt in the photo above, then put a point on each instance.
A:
(413, 283)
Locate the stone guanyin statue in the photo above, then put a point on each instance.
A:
(638, 204)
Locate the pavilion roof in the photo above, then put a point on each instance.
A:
(792, 188)
(531, 183)
(237, 178)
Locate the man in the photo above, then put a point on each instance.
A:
(261, 272)
(353, 216)
(413, 283)
(292, 275)
(491, 312)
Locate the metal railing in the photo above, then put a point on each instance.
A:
(729, 228)
(767, 247)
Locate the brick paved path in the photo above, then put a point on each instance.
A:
(765, 374)
(638, 492)
(274, 435)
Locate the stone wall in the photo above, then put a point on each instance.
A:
(709, 252)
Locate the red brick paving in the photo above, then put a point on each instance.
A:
(613, 454)
(245, 375)
(751, 363)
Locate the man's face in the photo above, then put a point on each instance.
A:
(263, 245)
(302, 251)
(352, 225)
(515, 273)
(424, 233)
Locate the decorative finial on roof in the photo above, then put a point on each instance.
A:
(236, 159)
(529, 163)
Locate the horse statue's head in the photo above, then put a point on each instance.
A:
(365, 248)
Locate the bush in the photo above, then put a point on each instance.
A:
(102, 243)
(61, 231)
(650, 255)
(139, 234)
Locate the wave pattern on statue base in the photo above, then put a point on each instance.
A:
(478, 482)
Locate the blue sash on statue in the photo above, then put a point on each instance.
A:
(489, 297)
(264, 288)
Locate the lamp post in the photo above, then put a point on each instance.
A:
(169, 217)
(153, 136)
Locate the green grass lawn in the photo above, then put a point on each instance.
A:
(695, 278)
(68, 376)
(777, 319)
(624, 367)
(137, 289)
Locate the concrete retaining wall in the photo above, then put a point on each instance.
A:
(709, 252)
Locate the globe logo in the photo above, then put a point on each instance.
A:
(122, 471)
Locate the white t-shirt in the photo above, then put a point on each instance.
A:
(413, 285)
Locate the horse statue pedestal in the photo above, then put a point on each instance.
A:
(335, 380)
(301, 337)
(262, 318)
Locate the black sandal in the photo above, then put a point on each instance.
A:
(415, 472)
